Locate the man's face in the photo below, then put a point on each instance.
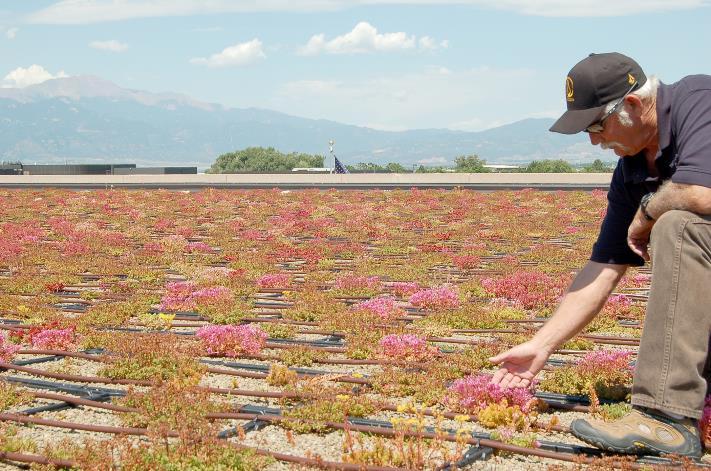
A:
(618, 137)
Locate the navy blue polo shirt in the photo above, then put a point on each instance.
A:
(684, 156)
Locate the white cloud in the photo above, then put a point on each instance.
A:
(97, 11)
(21, 77)
(11, 33)
(468, 100)
(239, 54)
(112, 45)
(428, 43)
(365, 38)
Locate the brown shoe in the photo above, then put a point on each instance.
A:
(642, 432)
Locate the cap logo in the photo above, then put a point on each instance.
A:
(569, 94)
(631, 80)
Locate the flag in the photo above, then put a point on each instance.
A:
(339, 167)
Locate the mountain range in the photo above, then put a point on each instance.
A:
(86, 119)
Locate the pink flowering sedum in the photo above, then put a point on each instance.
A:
(384, 307)
(354, 282)
(406, 347)
(444, 297)
(185, 296)
(199, 247)
(606, 363)
(531, 289)
(475, 393)
(404, 289)
(705, 423)
(232, 340)
(7, 348)
(54, 339)
(275, 280)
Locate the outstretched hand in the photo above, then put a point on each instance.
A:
(519, 365)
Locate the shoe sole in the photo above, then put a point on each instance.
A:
(633, 450)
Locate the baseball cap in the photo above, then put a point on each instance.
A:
(593, 83)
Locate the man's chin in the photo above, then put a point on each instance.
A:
(621, 151)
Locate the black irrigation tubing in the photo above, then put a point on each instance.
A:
(558, 451)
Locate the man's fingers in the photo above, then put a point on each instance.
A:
(506, 381)
(515, 382)
(496, 379)
(498, 358)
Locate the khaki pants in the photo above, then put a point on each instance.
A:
(673, 368)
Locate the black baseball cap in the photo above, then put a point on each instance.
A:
(593, 83)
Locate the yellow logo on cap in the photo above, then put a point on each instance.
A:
(631, 80)
(569, 94)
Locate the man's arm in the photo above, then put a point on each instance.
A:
(581, 303)
(694, 198)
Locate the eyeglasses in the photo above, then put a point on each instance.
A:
(598, 126)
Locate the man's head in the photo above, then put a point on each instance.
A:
(608, 95)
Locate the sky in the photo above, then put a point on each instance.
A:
(394, 64)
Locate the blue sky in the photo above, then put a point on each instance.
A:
(396, 64)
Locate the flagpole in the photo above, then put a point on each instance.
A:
(330, 149)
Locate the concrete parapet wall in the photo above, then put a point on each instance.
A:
(377, 180)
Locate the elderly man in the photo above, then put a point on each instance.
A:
(660, 197)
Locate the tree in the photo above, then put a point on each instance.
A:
(264, 160)
(549, 166)
(370, 167)
(598, 166)
(394, 167)
(470, 164)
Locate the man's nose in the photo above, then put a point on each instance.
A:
(595, 138)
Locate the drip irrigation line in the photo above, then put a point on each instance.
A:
(76, 378)
(77, 426)
(38, 459)
(390, 432)
(266, 368)
(86, 392)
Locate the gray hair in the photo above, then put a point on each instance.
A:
(649, 89)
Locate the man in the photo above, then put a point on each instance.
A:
(660, 196)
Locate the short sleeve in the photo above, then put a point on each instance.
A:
(691, 123)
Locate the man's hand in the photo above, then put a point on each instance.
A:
(519, 365)
(638, 235)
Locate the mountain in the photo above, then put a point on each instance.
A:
(86, 119)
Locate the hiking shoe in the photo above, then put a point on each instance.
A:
(642, 432)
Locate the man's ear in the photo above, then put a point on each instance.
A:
(633, 102)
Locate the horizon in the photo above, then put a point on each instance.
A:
(414, 65)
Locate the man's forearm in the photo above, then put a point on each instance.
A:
(670, 195)
(580, 304)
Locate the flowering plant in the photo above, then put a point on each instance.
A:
(531, 289)
(199, 247)
(232, 340)
(54, 339)
(406, 347)
(354, 285)
(383, 307)
(443, 297)
(7, 348)
(475, 393)
(404, 289)
(184, 295)
(705, 423)
(276, 280)
(608, 372)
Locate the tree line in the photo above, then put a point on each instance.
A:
(270, 160)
